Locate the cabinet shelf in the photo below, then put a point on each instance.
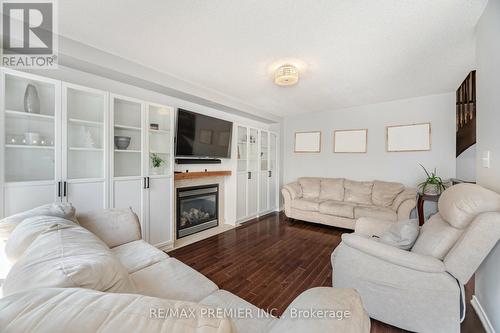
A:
(159, 152)
(85, 122)
(29, 147)
(126, 151)
(22, 114)
(85, 149)
(159, 131)
(133, 128)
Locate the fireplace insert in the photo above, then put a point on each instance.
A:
(197, 209)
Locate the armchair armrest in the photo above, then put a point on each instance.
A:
(394, 255)
(113, 226)
(371, 227)
(344, 304)
(404, 203)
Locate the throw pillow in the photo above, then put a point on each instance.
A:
(401, 234)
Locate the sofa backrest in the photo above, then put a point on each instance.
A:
(62, 254)
(464, 231)
(378, 193)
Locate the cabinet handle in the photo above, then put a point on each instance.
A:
(65, 193)
(249, 175)
(58, 189)
(270, 173)
(148, 182)
(145, 186)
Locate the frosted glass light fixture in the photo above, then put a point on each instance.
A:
(286, 75)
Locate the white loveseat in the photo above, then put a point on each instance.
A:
(340, 202)
(421, 290)
(95, 273)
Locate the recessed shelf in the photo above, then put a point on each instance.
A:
(29, 147)
(22, 114)
(128, 127)
(126, 151)
(85, 122)
(84, 149)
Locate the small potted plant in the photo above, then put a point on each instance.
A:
(157, 162)
(433, 185)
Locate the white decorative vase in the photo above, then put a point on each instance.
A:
(31, 100)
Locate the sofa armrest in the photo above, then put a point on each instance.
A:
(290, 192)
(294, 189)
(394, 255)
(337, 310)
(371, 227)
(114, 226)
(404, 210)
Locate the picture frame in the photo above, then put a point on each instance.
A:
(350, 141)
(408, 138)
(307, 142)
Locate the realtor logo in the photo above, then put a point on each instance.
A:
(29, 39)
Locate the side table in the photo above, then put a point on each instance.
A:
(420, 205)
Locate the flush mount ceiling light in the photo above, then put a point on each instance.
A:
(286, 75)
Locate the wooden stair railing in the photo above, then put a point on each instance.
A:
(466, 114)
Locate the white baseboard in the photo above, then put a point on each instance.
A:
(482, 315)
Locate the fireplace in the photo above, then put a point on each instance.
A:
(197, 209)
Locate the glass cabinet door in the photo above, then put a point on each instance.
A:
(85, 133)
(159, 140)
(242, 149)
(264, 164)
(273, 170)
(30, 130)
(253, 169)
(127, 138)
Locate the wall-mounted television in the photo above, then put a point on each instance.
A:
(202, 136)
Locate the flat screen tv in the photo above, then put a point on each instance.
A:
(202, 136)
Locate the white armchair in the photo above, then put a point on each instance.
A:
(422, 290)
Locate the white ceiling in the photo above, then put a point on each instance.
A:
(351, 52)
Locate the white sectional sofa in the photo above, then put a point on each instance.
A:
(339, 202)
(95, 273)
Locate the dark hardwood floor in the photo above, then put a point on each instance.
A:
(270, 261)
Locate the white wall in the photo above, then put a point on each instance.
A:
(90, 80)
(376, 163)
(488, 139)
(466, 164)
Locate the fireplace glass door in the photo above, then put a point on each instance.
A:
(197, 209)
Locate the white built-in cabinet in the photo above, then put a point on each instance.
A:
(65, 151)
(257, 186)
(136, 181)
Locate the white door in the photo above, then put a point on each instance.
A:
(159, 181)
(160, 231)
(242, 173)
(264, 168)
(126, 144)
(273, 171)
(30, 140)
(85, 147)
(253, 172)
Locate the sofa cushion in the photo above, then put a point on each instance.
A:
(137, 255)
(332, 189)
(67, 256)
(27, 231)
(311, 205)
(58, 310)
(358, 192)
(375, 212)
(336, 208)
(173, 279)
(384, 193)
(64, 210)
(252, 321)
(436, 238)
(310, 187)
(460, 204)
(115, 226)
(401, 234)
